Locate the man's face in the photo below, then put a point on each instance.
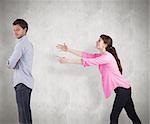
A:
(19, 31)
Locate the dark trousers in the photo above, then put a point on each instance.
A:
(123, 100)
(23, 95)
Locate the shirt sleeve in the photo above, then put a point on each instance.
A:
(88, 55)
(103, 59)
(15, 57)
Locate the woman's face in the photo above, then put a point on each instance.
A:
(100, 44)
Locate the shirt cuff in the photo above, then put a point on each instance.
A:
(84, 54)
(84, 63)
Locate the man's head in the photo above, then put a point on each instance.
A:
(20, 28)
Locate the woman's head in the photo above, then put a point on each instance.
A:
(105, 43)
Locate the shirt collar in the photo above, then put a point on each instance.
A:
(23, 38)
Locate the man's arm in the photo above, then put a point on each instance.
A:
(14, 58)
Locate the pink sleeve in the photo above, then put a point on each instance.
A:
(104, 59)
(88, 55)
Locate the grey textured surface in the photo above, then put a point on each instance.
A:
(70, 94)
(149, 57)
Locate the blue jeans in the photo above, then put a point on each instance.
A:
(23, 95)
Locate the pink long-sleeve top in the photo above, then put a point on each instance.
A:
(111, 76)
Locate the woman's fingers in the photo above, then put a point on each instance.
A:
(61, 59)
(59, 46)
(65, 45)
(62, 47)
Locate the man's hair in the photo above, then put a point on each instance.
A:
(21, 23)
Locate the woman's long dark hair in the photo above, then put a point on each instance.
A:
(108, 40)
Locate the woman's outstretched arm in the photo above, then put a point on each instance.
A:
(86, 61)
(65, 60)
(65, 48)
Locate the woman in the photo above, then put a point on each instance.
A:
(112, 79)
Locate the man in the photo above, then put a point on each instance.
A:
(21, 62)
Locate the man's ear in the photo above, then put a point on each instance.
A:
(25, 29)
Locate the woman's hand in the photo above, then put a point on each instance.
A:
(63, 47)
(63, 60)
